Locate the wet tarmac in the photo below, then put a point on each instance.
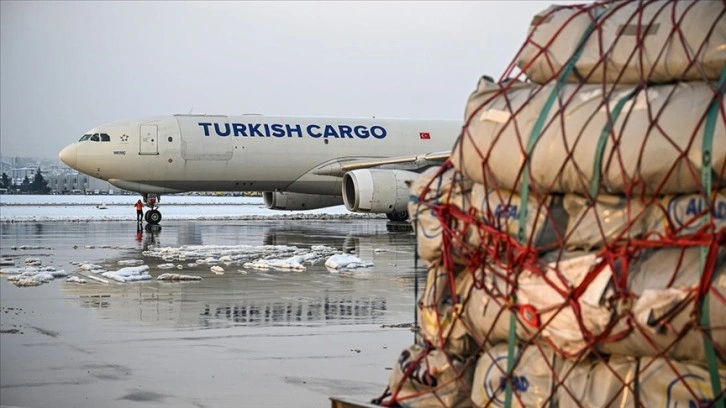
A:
(244, 338)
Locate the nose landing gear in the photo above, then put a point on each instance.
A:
(153, 216)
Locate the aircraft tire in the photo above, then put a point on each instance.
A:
(146, 216)
(154, 217)
(399, 216)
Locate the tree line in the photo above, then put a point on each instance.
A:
(38, 185)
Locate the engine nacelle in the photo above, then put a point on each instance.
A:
(377, 191)
(298, 201)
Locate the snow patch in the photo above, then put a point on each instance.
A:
(346, 261)
(129, 274)
(177, 277)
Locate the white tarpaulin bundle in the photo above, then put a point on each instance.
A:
(612, 219)
(487, 311)
(575, 147)
(442, 187)
(651, 316)
(552, 221)
(440, 312)
(543, 305)
(654, 314)
(533, 377)
(423, 378)
(545, 222)
(660, 318)
(628, 42)
(628, 382)
(541, 378)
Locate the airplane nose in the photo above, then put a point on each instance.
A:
(69, 155)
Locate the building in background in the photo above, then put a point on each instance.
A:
(61, 178)
(76, 183)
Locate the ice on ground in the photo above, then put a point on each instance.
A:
(129, 274)
(166, 266)
(177, 277)
(93, 268)
(33, 261)
(25, 282)
(292, 263)
(32, 275)
(97, 279)
(322, 248)
(11, 271)
(346, 261)
(7, 262)
(131, 262)
(29, 247)
(217, 269)
(75, 279)
(89, 267)
(263, 257)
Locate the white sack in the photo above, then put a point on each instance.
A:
(487, 313)
(615, 383)
(546, 218)
(664, 56)
(662, 309)
(436, 380)
(440, 312)
(532, 374)
(643, 160)
(614, 218)
(447, 188)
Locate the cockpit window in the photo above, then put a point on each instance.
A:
(96, 137)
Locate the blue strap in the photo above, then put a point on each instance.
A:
(602, 141)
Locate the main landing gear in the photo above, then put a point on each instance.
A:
(397, 216)
(152, 216)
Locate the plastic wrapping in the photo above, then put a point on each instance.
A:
(492, 149)
(441, 188)
(631, 42)
(546, 218)
(440, 312)
(425, 377)
(534, 381)
(627, 382)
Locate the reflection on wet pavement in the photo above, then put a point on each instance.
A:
(317, 317)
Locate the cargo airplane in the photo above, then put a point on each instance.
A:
(298, 163)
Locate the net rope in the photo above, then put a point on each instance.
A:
(575, 241)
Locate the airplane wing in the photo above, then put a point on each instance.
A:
(339, 167)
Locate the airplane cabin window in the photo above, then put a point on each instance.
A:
(85, 137)
(95, 138)
(105, 137)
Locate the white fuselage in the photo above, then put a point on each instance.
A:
(246, 153)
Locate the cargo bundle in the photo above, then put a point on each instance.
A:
(576, 239)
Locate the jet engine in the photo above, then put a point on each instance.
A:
(298, 201)
(378, 191)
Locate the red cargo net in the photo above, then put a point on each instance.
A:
(576, 239)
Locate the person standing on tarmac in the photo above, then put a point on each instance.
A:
(139, 211)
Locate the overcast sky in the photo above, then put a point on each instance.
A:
(66, 67)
